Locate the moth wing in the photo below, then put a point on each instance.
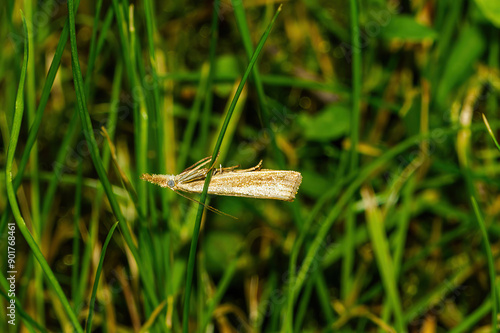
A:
(263, 184)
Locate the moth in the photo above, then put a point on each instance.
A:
(251, 183)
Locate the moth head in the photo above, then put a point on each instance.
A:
(161, 180)
(171, 181)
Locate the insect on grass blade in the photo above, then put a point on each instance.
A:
(251, 183)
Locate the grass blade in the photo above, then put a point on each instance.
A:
(88, 131)
(383, 257)
(221, 289)
(203, 198)
(491, 264)
(16, 126)
(348, 262)
(44, 98)
(97, 276)
(76, 232)
(239, 13)
(490, 131)
(207, 107)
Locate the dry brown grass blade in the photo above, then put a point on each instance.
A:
(126, 183)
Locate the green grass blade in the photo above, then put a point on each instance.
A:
(36, 221)
(207, 106)
(471, 321)
(491, 265)
(59, 165)
(97, 276)
(303, 304)
(193, 117)
(203, 198)
(221, 289)
(436, 296)
(71, 132)
(383, 257)
(97, 203)
(44, 98)
(140, 117)
(490, 131)
(239, 13)
(76, 238)
(30, 97)
(93, 47)
(348, 262)
(16, 126)
(88, 132)
(356, 84)
(157, 113)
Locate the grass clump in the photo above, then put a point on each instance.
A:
(388, 109)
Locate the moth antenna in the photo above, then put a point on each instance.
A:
(210, 208)
(198, 164)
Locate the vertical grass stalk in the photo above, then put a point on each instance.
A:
(16, 127)
(88, 132)
(203, 198)
(491, 265)
(348, 262)
(96, 279)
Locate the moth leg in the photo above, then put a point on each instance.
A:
(255, 168)
(226, 169)
(194, 172)
(197, 170)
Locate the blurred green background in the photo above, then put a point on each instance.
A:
(383, 106)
